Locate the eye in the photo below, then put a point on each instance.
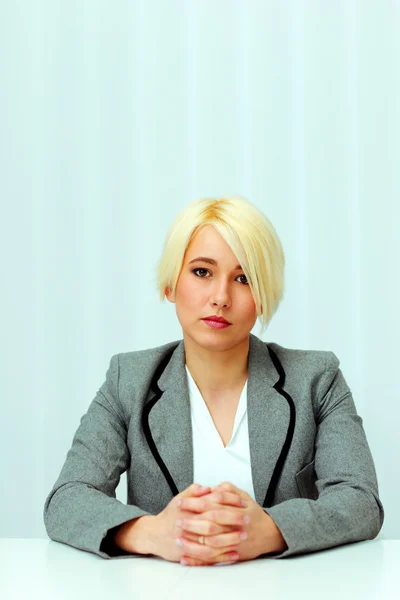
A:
(199, 269)
(208, 271)
(245, 282)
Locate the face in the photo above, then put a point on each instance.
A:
(205, 289)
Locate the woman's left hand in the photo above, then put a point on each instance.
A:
(263, 535)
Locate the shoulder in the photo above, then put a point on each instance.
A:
(300, 361)
(130, 373)
(307, 372)
(135, 369)
(145, 359)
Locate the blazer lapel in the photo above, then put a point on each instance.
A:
(170, 421)
(268, 415)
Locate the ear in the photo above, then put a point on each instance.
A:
(169, 295)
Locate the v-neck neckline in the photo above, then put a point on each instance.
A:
(206, 415)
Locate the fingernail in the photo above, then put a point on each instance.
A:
(203, 489)
(179, 503)
(243, 535)
(178, 542)
(179, 523)
(246, 519)
(243, 503)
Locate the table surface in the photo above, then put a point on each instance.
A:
(41, 568)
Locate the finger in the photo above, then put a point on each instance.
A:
(201, 551)
(218, 528)
(196, 562)
(201, 504)
(194, 490)
(225, 516)
(223, 540)
(203, 527)
(193, 537)
(226, 486)
(229, 498)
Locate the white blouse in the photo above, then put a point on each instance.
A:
(212, 462)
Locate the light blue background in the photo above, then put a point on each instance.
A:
(115, 115)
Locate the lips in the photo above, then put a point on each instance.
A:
(217, 319)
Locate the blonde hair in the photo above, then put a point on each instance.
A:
(251, 237)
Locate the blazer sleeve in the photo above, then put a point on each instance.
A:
(347, 507)
(82, 510)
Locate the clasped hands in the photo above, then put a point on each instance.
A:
(234, 527)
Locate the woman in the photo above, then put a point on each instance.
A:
(277, 428)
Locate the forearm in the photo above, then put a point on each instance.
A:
(79, 515)
(272, 538)
(344, 516)
(137, 536)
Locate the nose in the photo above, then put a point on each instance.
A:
(221, 296)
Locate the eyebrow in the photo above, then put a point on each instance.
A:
(211, 261)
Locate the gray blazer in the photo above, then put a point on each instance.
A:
(311, 465)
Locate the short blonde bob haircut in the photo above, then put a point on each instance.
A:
(251, 237)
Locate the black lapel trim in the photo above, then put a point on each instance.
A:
(289, 436)
(145, 422)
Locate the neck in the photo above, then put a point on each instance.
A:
(217, 370)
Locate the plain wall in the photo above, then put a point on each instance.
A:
(115, 115)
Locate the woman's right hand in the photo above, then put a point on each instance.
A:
(165, 529)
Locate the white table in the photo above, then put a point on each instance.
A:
(40, 568)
